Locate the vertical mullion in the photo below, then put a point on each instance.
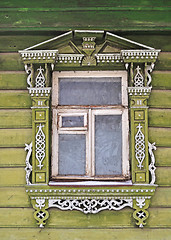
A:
(93, 143)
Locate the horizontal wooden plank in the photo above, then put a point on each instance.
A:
(164, 61)
(12, 41)
(17, 197)
(16, 176)
(162, 197)
(161, 80)
(65, 4)
(159, 217)
(15, 118)
(15, 99)
(163, 156)
(13, 80)
(161, 136)
(163, 176)
(86, 18)
(160, 99)
(160, 117)
(14, 197)
(12, 157)
(15, 137)
(12, 176)
(11, 62)
(84, 234)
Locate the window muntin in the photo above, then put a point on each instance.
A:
(91, 164)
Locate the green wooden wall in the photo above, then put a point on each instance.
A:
(24, 23)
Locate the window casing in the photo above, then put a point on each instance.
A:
(80, 148)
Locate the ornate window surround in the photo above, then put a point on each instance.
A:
(90, 197)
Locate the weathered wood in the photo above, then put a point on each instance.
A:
(12, 62)
(17, 197)
(13, 80)
(163, 156)
(15, 118)
(15, 99)
(84, 234)
(162, 197)
(14, 197)
(163, 176)
(161, 136)
(164, 61)
(15, 137)
(161, 80)
(12, 157)
(12, 176)
(86, 17)
(160, 117)
(159, 217)
(160, 99)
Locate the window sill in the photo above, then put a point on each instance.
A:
(92, 183)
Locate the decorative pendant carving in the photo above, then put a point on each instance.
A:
(90, 205)
(28, 70)
(28, 168)
(139, 146)
(40, 146)
(152, 167)
(138, 79)
(40, 79)
(148, 70)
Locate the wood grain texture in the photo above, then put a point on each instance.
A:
(159, 117)
(84, 234)
(15, 118)
(161, 80)
(86, 17)
(160, 99)
(15, 99)
(12, 157)
(13, 80)
(15, 137)
(161, 136)
(159, 218)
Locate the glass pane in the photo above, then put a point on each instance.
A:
(90, 91)
(73, 121)
(72, 154)
(108, 145)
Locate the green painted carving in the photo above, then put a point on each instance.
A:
(139, 62)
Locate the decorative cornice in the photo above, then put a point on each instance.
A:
(145, 91)
(150, 55)
(32, 55)
(70, 58)
(108, 57)
(40, 92)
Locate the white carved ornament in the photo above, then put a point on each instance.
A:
(90, 205)
(28, 168)
(40, 145)
(28, 70)
(138, 79)
(152, 167)
(139, 146)
(40, 79)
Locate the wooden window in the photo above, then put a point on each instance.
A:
(90, 125)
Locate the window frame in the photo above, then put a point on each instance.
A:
(90, 111)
